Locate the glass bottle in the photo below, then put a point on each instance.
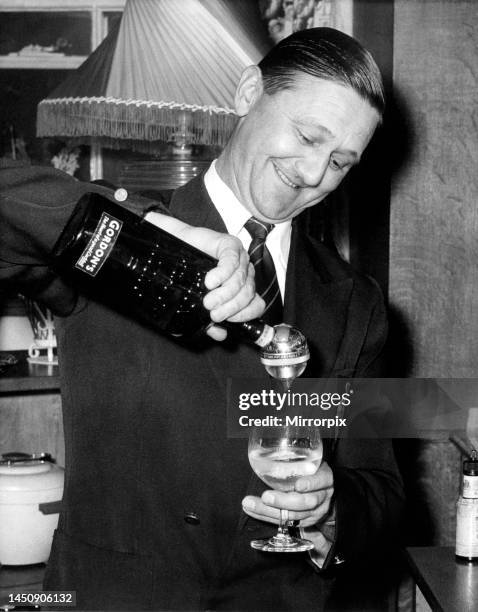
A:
(139, 269)
(467, 513)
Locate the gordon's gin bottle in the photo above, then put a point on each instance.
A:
(139, 269)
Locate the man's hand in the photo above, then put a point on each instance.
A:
(231, 286)
(309, 503)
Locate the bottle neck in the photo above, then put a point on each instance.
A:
(255, 331)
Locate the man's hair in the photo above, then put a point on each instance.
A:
(327, 54)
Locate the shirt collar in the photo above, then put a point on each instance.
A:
(233, 213)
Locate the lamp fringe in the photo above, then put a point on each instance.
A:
(133, 120)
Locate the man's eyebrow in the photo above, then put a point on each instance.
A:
(329, 135)
(321, 128)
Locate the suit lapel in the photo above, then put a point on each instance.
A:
(192, 204)
(317, 299)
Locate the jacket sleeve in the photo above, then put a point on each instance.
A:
(35, 205)
(369, 500)
(368, 488)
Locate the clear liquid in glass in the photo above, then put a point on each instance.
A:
(280, 456)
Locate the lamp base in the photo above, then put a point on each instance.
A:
(160, 174)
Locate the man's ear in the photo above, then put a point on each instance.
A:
(249, 90)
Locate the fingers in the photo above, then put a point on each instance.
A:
(299, 505)
(322, 479)
(216, 333)
(308, 506)
(232, 260)
(231, 283)
(235, 293)
(307, 509)
(253, 310)
(235, 298)
(257, 508)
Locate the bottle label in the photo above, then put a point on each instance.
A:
(470, 487)
(283, 359)
(467, 528)
(100, 245)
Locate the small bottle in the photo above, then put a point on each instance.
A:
(139, 269)
(466, 549)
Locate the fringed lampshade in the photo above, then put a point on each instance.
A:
(169, 71)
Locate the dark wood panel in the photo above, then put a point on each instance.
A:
(434, 213)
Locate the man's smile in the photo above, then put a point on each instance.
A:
(284, 178)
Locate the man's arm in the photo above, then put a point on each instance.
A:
(35, 205)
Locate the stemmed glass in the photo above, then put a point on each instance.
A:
(280, 456)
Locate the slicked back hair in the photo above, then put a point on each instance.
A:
(327, 54)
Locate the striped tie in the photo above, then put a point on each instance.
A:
(266, 278)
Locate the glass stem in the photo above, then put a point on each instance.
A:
(283, 528)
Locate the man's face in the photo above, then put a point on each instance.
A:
(292, 148)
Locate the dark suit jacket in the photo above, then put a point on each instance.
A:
(152, 513)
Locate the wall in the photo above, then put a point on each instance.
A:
(434, 214)
(413, 219)
(433, 272)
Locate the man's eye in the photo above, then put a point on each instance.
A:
(304, 139)
(336, 165)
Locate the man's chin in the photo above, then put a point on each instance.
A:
(279, 216)
(285, 215)
(276, 219)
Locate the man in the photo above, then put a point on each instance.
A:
(159, 505)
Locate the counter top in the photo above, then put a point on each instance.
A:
(25, 377)
(448, 586)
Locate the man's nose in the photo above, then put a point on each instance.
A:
(311, 168)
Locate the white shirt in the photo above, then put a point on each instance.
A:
(235, 215)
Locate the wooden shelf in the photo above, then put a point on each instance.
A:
(26, 377)
(41, 62)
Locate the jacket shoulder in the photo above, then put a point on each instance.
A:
(332, 268)
(40, 185)
(44, 187)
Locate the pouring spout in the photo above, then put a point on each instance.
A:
(286, 356)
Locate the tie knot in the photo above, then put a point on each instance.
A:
(258, 229)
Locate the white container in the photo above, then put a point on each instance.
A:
(26, 524)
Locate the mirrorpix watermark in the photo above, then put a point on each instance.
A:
(359, 408)
(320, 403)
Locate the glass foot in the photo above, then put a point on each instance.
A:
(282, 543)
